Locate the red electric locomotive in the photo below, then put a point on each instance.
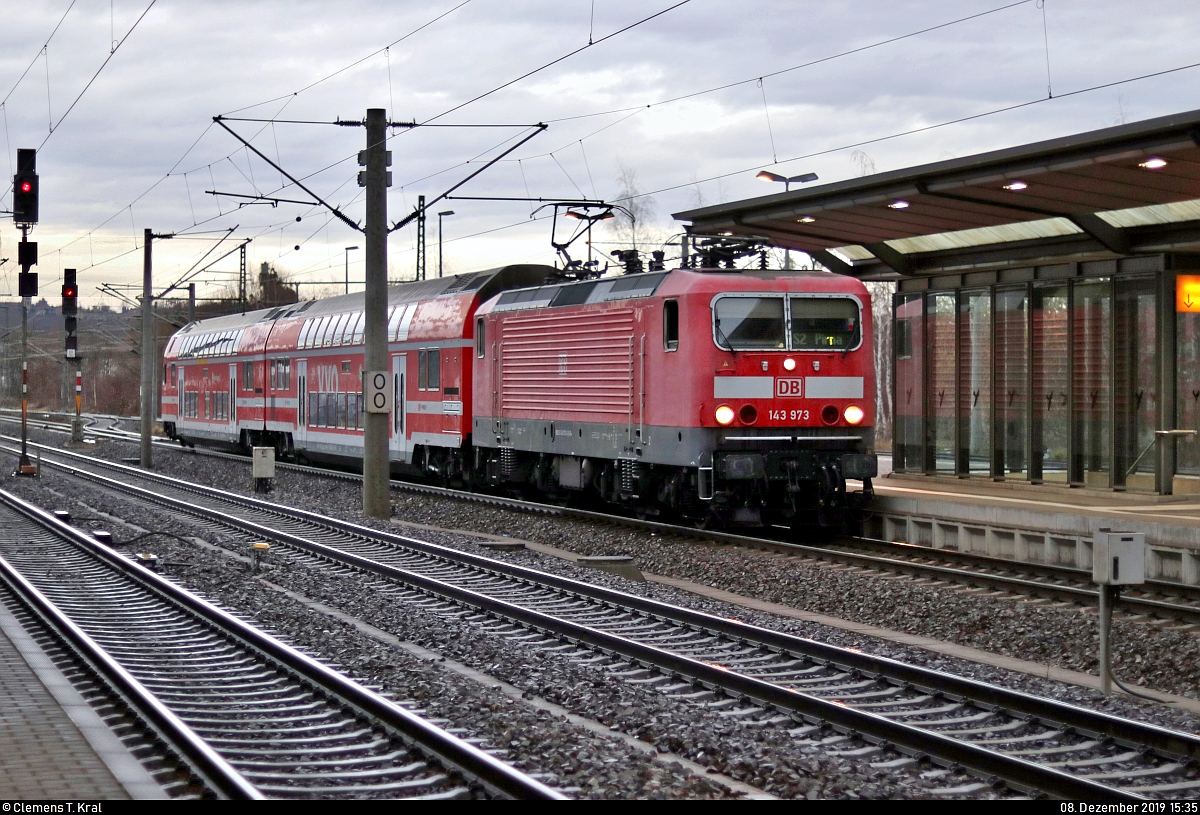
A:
(746, 397)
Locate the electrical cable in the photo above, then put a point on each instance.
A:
(290, 97)
(98, 70)
(926, 128)
(782, 71)
(33, 61)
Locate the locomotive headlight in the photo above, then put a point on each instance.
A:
(853, 414)
(789, 364)
(724, 414)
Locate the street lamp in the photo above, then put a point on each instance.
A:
(440, 216)
(788, 181)
(349, 249)
(804, 178)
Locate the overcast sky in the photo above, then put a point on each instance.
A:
(139, 150)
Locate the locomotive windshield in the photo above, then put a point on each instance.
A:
(824, 323)
(749, 322)
(757, 323)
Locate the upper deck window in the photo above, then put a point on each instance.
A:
(743, 323)
(824, 324)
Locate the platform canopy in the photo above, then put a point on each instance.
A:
(1123, 190)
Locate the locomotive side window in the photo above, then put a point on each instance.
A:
(824, 324)
(670, 325)
(480, 343)
(742, 323)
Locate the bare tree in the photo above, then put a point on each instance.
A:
(881, 321)
(640, 228)
(863, 164)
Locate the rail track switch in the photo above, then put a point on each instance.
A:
(1119, 558)
(263, 459)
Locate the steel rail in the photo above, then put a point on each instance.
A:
(1015, 770)
(216, 773)
(949, 574)
(1078, 593)
(448, 749)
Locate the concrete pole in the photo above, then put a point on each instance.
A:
(1106, 604)
(148, 362)
(376, 491)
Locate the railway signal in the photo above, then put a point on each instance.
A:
(70, 310)
(25, 188)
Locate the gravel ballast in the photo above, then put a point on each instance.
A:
(581, 761)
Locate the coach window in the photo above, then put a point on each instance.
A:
(172, 372)
(422, 370)
(741, 323)
(435, 370)
(480, 343)
(247, 376)
(320, 332)
(671, 325)
(286, 371)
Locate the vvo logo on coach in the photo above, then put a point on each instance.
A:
(789, 387)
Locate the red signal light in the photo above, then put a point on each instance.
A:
(26, 186)
(70, 291)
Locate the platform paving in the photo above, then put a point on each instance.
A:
(53, 745)
(1047, 523)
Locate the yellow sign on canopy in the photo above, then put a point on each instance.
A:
(1187, 293)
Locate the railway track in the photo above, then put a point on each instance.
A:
(1158, 599)
(846, 701)
(252, 717)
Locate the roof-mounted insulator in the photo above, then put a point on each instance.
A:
(629, 257)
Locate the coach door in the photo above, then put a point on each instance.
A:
(399, 445)
(233, 380)
(301, 403)
(179, 410)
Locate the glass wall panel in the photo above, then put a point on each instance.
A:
(1011, 454)
(1051, 385)
(939, 327)
(909, 436)
(1188, 390)
(975, 384)
(1092, 352)
(1134, 376)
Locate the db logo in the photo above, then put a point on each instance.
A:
(789, 387)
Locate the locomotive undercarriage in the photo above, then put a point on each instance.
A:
(738, 488)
